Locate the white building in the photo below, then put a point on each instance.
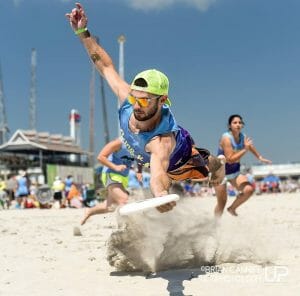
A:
(281, 170)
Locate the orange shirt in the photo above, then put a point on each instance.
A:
(74, 192)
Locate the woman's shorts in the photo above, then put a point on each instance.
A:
(112, 178)
(232, 176)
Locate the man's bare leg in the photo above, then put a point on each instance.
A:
(221, 194)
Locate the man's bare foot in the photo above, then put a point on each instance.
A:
(232, 211)
(87, 214)
(216, 166)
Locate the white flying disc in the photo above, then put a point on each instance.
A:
(146, 204)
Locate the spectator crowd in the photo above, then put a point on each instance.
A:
(21, 192)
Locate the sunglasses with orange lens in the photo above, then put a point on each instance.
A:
(143, 101)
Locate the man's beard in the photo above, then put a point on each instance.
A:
(142, 116)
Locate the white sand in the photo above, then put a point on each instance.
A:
(257, 253)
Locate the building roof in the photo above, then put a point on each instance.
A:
(276, 169)
(30, 140)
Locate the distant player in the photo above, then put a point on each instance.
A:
(234, 145)
(117, 162)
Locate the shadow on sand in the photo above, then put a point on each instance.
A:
(175, 278)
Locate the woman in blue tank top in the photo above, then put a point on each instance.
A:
(234, 145)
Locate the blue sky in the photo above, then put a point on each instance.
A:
(221, 56)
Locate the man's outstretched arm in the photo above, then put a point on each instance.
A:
(161, 148)
(103, 62)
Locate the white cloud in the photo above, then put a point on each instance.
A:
(145, 5)
(148, 5)
(17, 2)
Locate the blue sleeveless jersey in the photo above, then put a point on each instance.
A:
(233, 168)
(135, 143)
(22, 186)
(119, 157)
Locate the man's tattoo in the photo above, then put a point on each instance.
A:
(95, 57)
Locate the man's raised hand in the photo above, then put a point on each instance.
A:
(77, 17)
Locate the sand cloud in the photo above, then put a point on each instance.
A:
(186, 237)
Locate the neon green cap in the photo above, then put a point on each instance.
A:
(157, 83)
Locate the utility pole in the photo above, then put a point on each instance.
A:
(92, 113)
(104, 108)
(104, 112)
(121, 41)
(3, 120)
(32, 100)
(91, 117)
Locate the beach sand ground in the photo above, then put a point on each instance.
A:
(256, 253)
